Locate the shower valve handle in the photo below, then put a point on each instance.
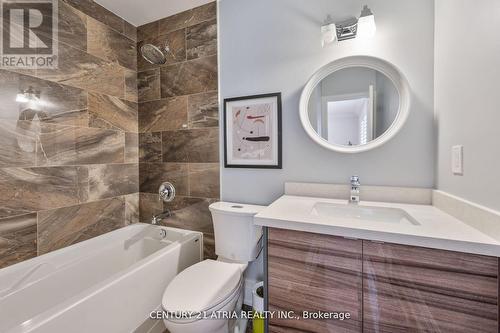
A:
(166, 192)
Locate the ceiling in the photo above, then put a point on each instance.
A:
(145, 11)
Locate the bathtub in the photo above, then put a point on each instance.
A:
(106, 284)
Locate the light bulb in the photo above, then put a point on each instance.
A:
(366, 24)
(21, 98)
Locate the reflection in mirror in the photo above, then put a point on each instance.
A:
(353, 106)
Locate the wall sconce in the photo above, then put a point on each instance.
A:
(363, 27)
(30, 98)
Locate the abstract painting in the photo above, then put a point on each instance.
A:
(252, 131)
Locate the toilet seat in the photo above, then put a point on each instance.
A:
(198, 316)
(204, 287)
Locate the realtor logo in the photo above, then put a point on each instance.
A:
(28, 34)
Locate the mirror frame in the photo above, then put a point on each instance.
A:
(386, 68)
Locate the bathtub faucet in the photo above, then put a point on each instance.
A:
(158, 218)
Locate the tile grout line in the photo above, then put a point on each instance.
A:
(170, 31)
(176, 63)
(64, 84)
(178, 96)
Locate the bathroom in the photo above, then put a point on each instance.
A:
(307, 166)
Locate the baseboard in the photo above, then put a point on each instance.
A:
(151, 325)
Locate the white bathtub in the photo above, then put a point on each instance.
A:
(106, 284)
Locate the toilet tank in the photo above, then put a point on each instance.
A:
(236, 237)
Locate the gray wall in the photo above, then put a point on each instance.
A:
(274, 46)
(467, 101)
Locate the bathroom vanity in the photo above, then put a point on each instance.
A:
(393, 267)
(389, 257)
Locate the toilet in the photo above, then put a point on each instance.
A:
(216, 286)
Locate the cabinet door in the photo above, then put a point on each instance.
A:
(312, 272)
(413, 289)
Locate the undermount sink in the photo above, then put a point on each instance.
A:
(363, 213)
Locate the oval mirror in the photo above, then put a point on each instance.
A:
(355, 104)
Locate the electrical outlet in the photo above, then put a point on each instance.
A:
(457, 160)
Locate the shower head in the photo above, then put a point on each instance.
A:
(153, 54)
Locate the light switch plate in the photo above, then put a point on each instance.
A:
(457, 160)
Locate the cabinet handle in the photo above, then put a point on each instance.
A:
(350, 238)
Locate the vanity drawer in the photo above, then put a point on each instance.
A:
(313, 272)
(414, 289)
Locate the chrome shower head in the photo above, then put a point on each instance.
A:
(153, 54)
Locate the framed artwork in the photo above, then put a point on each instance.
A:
(252, 132)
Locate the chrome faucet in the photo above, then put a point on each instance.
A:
(355, 185)
(158, 218)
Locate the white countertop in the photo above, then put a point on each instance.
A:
(436, 230)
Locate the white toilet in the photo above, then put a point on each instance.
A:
(213, 286)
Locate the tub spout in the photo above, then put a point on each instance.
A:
(158, 218)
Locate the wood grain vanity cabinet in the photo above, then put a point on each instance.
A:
(414, 289)
(388, 288)
(313, 272)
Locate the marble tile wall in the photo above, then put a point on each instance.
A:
(109, 128)
(178, 120)
(69, 164)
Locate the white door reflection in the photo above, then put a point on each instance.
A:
(348, 120)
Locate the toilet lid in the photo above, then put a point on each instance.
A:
(201, 286)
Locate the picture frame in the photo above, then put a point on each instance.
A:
(253, 132)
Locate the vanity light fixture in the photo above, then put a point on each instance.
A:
(347, 29)
(363, 27)
(28, 95)
(30, 99)
(21, 98)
